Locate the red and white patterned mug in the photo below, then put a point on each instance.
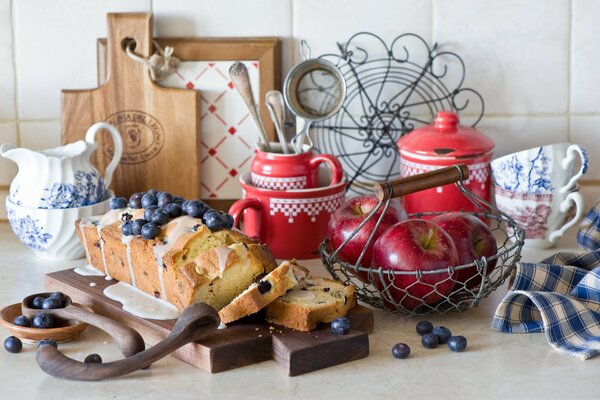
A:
(279, 171)
(293, 223)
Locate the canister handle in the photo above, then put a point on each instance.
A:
(416, 183)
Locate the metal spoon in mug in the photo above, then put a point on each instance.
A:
(239, 76)
(276, 106)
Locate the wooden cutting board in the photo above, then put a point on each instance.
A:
(160, 126)
(240, 344)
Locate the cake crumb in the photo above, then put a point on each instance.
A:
(256, 329)
(259, 335)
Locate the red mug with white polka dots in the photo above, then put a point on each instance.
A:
(278, 171)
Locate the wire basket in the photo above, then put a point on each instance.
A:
(419, 291)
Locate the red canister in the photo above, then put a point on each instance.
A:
(443, 144)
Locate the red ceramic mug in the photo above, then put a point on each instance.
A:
(292, 223)
(279, 171)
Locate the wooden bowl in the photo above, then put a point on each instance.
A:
(67, 330)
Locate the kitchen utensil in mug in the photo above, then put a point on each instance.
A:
(62, 177)
(291, 222)
(239, 76)
(314, 90)
(276, 106)
(292, 171)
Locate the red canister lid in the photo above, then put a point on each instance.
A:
(446, 138)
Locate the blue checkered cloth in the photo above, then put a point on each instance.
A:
(588, 236)
(559, 296)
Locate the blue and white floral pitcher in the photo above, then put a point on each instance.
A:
(62, 177)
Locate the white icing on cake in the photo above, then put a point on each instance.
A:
(139, 303)
(87, 270)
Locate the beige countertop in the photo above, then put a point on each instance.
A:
(495, 365)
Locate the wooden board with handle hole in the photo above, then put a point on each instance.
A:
(160, 126)
(242, 343)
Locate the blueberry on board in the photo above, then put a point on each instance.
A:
(442, 333)
(457, 343)
(13, 344)
(42, 321)
(424, 327)
(160, 216)
(37, 302)
(148, 212)
(127, 228)
(429, 341)
(150, 230)
(93, 359)
(195, 208)
(136, 226)
(174, 210)
(164, 198)
(148, 199)
(47, 342)
(340, 326)
(214, 221)
(51, 303)
(117, 203)
(401, 350)
(135, 201)
(22, 320)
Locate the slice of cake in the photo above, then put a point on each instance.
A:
(312, 301)
(263, 292)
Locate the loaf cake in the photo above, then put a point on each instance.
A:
(312, 301)
(186, 262)
(263, 292)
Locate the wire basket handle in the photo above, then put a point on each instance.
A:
(416, 183)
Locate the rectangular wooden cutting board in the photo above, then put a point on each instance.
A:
(239, 344)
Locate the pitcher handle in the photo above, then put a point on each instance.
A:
(573, 151)
(90, 137)
(337, 172)
(573, 197)
(237, 210)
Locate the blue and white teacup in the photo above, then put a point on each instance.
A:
(538, 189)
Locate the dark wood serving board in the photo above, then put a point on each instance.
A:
(239, 344)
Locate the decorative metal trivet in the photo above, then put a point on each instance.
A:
(391, 89)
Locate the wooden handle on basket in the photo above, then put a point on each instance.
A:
(427, 180)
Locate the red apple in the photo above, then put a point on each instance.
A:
(346, 219)
(410, 246)
(473, 240)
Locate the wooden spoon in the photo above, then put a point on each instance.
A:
(194, 323)
(128, 339)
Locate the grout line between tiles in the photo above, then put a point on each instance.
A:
(15, 74)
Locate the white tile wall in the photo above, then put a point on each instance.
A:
(536, 62)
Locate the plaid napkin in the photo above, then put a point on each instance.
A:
(559, 296)
(588, 236)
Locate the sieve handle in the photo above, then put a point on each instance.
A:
(416, 183)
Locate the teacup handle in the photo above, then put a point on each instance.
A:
(90, 137)
(333, 162)
(574, 197)
(572, 152)
(237, 210)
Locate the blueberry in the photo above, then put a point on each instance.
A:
(401, 350)
(148, 211)
(442, 333)
(13, 344)
(148, 199)
(150, 230)
(457, 343)
(37, 302)
(195, 208)
(164, 198)
(47, 342)
(213, 220)
(117, 203)
(22, 320)
(43, 321)
(52, 302)
(174, 210)
(184, 206)
(429, 341)
(178, 200)
(60, 295)
(136, 226)
(152, 191)
(93, 359)
(340, 326)
(127, 228)
(160, 216)
(228, 219)
(424, 327)
(135, 201)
